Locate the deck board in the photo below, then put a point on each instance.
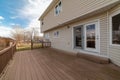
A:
(51, 64)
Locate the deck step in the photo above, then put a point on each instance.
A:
(97, 59)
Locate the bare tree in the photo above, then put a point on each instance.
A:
(31, 36)
(18, 33)
(32, 33)
(24, 36)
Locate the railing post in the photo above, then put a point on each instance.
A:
(31, 44)
(42, 44)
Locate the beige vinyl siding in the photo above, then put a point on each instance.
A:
(104, 34)
(114, 50)
(72, 9)
(115, 54)
(65, 40)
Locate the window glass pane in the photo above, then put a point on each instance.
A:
(116, 29)
(60, 3)
(78, 39)
(56, 34)
(90, 34)
(60, 7)
(56, 9)
(47, 36)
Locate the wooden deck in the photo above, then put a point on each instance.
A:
(50, 64)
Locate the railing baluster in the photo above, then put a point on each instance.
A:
(45, 44)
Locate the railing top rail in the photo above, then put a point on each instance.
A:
(46, 42)
(6, 49)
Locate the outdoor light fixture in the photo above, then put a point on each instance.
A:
(68, 26)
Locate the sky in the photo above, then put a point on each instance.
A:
(24, 13)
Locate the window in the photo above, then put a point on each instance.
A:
(47, 36)
(90, 36)
(78, 36)
(56, 34)
(116, 29)
(42, 23)
(58, 8)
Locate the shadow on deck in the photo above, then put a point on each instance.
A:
(50, 64)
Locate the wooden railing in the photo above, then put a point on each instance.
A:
(5, 56)
(46, 44)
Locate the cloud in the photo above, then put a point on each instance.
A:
(5, 32)
(13, 24)
(34, 8)
(34, 24)
(1, 18)
(32, 11)
(13, 17)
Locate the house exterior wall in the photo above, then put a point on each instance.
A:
(114, 50)
(79, 8)
(62, 39)
(65, 39)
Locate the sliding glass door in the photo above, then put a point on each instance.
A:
(86, 37)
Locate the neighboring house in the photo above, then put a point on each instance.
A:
(5, 42)
(86, 26)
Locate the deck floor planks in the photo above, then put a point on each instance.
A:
(51, 70)
(51, 64)
(40, 71)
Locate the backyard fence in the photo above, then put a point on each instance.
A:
(5, 56)
(46, 44)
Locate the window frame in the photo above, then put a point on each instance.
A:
(111, 29)
(55, 33)
(42, 23)
(57, 5)
(47, 35)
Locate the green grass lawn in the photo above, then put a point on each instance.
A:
(28, 46)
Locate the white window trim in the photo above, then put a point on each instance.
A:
(110, 21)
(55, 8)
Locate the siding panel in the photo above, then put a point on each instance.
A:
(72, 9)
